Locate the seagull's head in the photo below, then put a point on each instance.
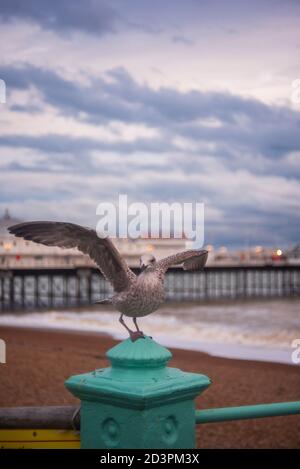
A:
(147, 261)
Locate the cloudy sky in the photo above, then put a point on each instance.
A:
(164, 101)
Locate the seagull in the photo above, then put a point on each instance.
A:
(134, 295)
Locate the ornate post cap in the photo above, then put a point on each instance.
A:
(141, 353)
(138, 378)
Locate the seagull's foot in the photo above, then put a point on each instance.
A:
(135, 335)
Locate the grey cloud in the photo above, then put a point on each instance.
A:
(125, 100)
(31, 109)
(179, 39)
(63, 16)
(252, 138)
(248, 129)
(54, 143)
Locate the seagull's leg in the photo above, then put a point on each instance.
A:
(137, 327)
(124, 324)
(134, 335)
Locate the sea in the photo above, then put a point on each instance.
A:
(266, 330)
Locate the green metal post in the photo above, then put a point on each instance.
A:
(138, 402)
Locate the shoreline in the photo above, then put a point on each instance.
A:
(115, 340)
(213, 349)
(197, 331)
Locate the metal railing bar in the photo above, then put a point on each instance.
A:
(55, 417)
(247, 412)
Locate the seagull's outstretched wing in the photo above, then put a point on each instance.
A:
(192, 260)
(69, 235)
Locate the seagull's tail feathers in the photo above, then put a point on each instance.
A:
(105, 301)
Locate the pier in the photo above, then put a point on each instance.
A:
(25, 289)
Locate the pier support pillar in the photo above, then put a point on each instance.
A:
(138, 402)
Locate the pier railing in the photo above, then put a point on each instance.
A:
(137, 402)
(47, 288)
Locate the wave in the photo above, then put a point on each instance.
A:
(260, 330)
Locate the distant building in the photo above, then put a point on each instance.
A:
(293, 255)
(18, 253)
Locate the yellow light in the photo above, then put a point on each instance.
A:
(7, 246)
(279, 252)
(149, 248)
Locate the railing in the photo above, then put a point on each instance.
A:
(67, 418)
(225, 414)
(25, 289)
(39, 427)
(49, 417)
